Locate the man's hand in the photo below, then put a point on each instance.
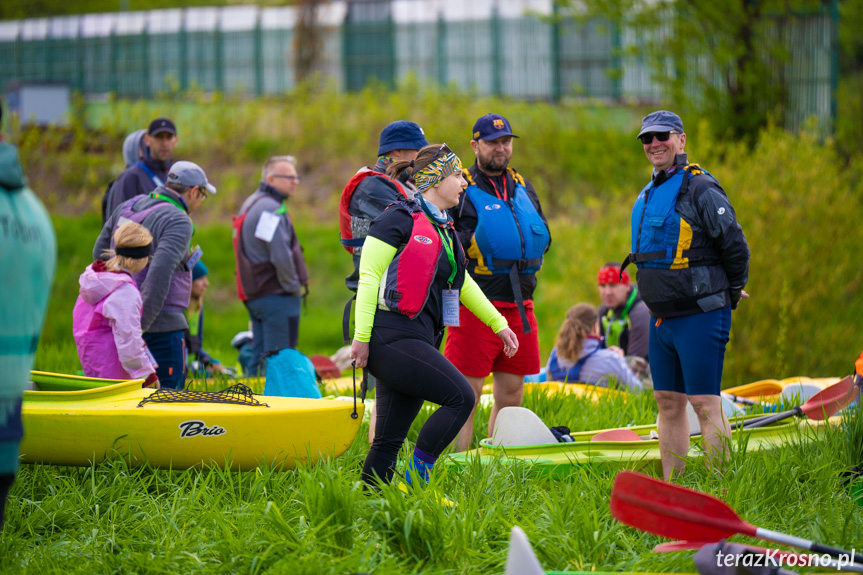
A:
(737, 295)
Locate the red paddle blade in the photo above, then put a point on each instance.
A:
(831, 400)
(616, 435)
(671, 511)
(325, 367)
(672, 546)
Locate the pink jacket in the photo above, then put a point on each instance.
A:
(106, 324)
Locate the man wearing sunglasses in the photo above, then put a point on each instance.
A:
(500, 224)
(693, 263)
(166, 282)
(271, 271)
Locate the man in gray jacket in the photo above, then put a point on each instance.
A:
(166, 283)
(271, 271)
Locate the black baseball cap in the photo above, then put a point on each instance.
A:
(160, 125)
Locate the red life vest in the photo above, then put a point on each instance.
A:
(406, 283)
(346, 233)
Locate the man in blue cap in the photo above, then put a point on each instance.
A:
(500, 224)
(166, 283)
(693, 262)
(368, 193)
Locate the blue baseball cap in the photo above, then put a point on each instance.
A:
(660, 121)
(401, 135)
(491, 127)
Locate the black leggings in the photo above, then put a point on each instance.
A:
(6, 482)
(410, 371)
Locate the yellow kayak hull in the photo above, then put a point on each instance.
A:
(87, 426)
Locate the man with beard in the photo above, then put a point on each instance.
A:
(151, 169)
(500, 224)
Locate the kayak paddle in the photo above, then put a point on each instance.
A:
(779, 555)
(820, 406)
(616, 435)
(676, 512)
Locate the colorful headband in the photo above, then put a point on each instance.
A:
(135, 252)
(612, 275)
(439, 169)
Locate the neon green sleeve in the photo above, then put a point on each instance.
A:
(374, 260)
(473, 298)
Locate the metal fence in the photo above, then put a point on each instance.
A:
(504, 47)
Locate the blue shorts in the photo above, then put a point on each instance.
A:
(687, 353)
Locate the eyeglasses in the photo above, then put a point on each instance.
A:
(202, 193)
(647, 139)
(289, 178)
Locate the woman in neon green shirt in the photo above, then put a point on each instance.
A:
(412, 278)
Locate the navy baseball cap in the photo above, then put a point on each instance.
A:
(189, 174)
(491, 127)
(160, 125)
(660, 121)
(401, 135)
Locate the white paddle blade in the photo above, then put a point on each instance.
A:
(730, 408)
(799, 392)
(516, 426)
(521, 560)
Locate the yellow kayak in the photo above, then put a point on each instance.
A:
(241, 431)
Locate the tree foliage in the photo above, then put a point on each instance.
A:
(722, 58)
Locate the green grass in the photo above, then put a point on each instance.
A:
(112, 518)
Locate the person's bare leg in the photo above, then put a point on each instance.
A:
(673, 431)
(465, 436)
(715, 429)
(508, 391)
(372, 419)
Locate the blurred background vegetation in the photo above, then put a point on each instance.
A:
(797, 195)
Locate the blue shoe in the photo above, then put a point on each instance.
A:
(419, 468)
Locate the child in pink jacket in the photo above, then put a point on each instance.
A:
(107, 316)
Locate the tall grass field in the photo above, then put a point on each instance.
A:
(797, 198)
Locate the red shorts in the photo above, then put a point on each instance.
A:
(475, 350)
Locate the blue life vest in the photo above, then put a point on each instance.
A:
(508, 233)
(557, 373)
(661, 238)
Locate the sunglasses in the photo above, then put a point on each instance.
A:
(647, 139)
(289, 178)
(440, 151)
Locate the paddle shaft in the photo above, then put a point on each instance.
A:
(761, 422)
(744, 400)
(790, 540)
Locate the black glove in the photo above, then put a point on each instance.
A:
(735, 297)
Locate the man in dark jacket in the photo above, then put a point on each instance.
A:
(693, 262)
(500, 224)
(271, 269)
(151, 170)
(370, 191)
(166, 283)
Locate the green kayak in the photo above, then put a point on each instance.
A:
(46, 381)
(559, 459)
